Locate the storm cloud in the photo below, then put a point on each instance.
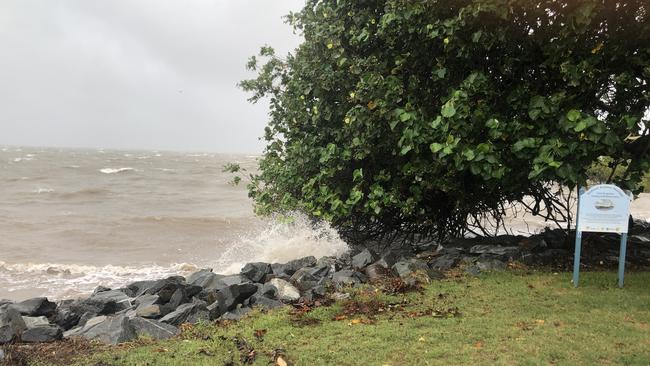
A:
(144, 74)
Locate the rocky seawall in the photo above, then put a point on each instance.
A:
(156, 309)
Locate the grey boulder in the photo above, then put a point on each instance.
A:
(363, 259)
(291, 267)
(107, 329)
(257, 271)
(444, 262)
(42, 333)
(348, 277)
(204, 278)
(152, 328)
(187, 313)
(11, 324)
(32, 321)
(286, 291)
(37, 306)
(496, 250)
(490, 264)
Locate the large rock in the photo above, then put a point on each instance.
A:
(108, 329)
(304, 278)
(329, 262)
(39, 306)
(149, 311)
(32, 321)
(99, 306)
(376, 272)
(235, 314)
(139, 287)
(187, 313)
(444, 262)
(507, 253)
(11, 324)
(348, 277)
(388, 259)
(286, 291)
(42, 333)
(153, 329)
(490, 264)
(229, 281)
(257, 271)
(289, 268)
(415, 271)
(204, 278)
(265, 302)
(363, 259)
(229, 297)
(122, 300)
(65, 317)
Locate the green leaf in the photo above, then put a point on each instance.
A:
(573, 115)
(448, 110)
(435, 147)
(404, 116)
(492, 123)
(469, 155)
(357, 175)
(476, 36)
(580, 126)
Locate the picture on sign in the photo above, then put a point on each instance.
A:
(604, 208)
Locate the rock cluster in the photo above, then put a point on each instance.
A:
(157, 308)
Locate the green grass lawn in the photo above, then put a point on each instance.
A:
(511, 318)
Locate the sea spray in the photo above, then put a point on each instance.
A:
(281, 241)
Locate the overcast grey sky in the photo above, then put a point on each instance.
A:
(146, 74)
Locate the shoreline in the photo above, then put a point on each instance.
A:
(158, 308)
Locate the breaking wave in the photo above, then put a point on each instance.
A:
(280, 242)
(61, 281)
(116, 170)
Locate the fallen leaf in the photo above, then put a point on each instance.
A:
(478, 345)
(259, 333)
(539, 321)
(205, 352)
(280, 361)
(421, 339)
(356, 321)
(340, 317)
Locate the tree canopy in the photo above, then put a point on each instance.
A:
(428, 117)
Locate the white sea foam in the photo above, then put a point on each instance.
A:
(40, 190)
(116, 170)
(281, 242)
(61, 281)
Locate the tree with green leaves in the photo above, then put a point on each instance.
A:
(431, 117)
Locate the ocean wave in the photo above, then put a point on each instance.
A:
(86, 192)
(281, 241)
(61, 281)
(116, 170)
(43, 190)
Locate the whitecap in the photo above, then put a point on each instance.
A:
(71, 280)
(43, 190)
(116, 170)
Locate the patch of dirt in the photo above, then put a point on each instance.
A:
(56, 353)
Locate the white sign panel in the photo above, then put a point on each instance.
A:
(604, 208)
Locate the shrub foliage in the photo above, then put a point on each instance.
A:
(428, 117)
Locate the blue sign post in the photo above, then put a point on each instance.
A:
(602, 208)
